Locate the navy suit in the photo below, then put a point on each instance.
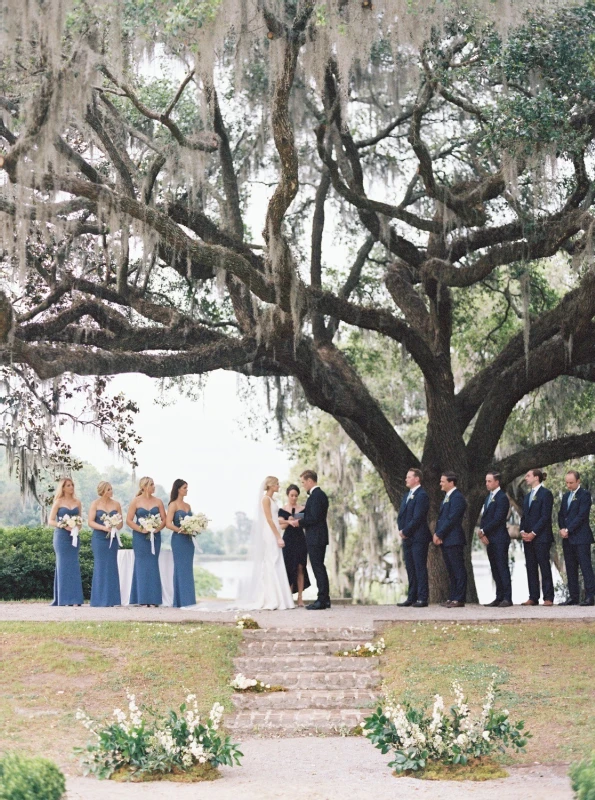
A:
(315, 525)
(493, 524)
(577, 547)
(537, 519)
(413, 523)
(449, 529)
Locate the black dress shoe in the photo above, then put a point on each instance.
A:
(504, 604)
(317, 606)
(328, 603)
(569, 602)
(420, 604)
(405, 603)
(588, 601)
(493, 604)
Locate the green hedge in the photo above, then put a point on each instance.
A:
(28, 561)
(583, 779)
(23, 778)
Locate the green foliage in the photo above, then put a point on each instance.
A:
(582, 776)
(205, 583)
(143, 741)
(28, 562)
(23, 778)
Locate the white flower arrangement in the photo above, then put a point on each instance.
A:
(72, 523)
(112, 521)
(150, 743)
(246, 622)
(365, 650)
(194, 523)
(243, 684)
(150, 523)
(452, 736)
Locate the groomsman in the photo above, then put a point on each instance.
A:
(494, 534)
(577, 537)
(415, 533)
(450, 535)
(538, 537)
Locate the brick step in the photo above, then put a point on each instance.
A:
(320, 680)
(307, 698)
(303, 663)
(267, 647)
(294, 723)
(322, 634)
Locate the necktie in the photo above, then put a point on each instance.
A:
(570, 499)
(409, 496)
(532, 496)
(488, 501)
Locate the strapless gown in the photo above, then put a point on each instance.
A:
(146, 581)
(182, 547)
(269, 585)
(68, 586)
(105, 589)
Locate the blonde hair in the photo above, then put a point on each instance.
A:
(60, 489)
(269, 481)
(102, 487)
(142, 484)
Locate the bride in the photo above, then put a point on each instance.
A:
(268, 587)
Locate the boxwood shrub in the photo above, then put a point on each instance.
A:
(583, 779)
(23, 778)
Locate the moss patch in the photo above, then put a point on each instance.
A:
(476, 769)
(198, 773)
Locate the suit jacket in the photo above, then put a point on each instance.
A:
(449, 526)
(576, 518)
(537, 518)
(314, 521)
(493, 518)
(413, 518)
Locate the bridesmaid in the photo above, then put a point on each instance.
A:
(146, 581)
(105, 589)
(68, 586)
(182, 546)
(295, 552)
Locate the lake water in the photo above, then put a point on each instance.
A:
(232, 572)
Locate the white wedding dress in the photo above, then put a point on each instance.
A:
(268, 586)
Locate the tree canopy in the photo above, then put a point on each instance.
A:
(244, 185)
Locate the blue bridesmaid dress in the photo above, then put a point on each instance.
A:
(182, 547)
(146, 581)
(105, 589)
(68, 586)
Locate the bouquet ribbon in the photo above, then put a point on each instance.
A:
(75, 535)
(114, 534)
(152, 538)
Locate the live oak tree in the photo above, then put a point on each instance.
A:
(145, 146)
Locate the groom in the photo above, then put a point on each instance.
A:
(314, 524)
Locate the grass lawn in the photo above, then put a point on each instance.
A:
(48, 670)
(545, 674)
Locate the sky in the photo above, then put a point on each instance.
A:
(200, 441)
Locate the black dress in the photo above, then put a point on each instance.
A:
(295, 552)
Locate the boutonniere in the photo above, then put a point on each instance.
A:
(573, 499)
(447, 499)
(492, 499)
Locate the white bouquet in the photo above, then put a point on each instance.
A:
(149, 524)
(73, 523)
(194, 523)
(112, 521)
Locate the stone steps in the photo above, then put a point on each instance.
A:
(250, 665)
(293, 722)
(327, 694)
(268, 647)
(307, 698)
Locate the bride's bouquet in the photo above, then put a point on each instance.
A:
(194, 523)
(149, 524)
(112, 521)
(72, 523)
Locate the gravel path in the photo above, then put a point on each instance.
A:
(337, 617)
(327, 769)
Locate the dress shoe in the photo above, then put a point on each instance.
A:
(588, 601)
(505, 604)
(420, 604)
(328, 603)
(548, 602)
(405, 603)
(446, 604)
(456, 604)
(569, 602)
(493, 604)
(530, 602)
(317, 606)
